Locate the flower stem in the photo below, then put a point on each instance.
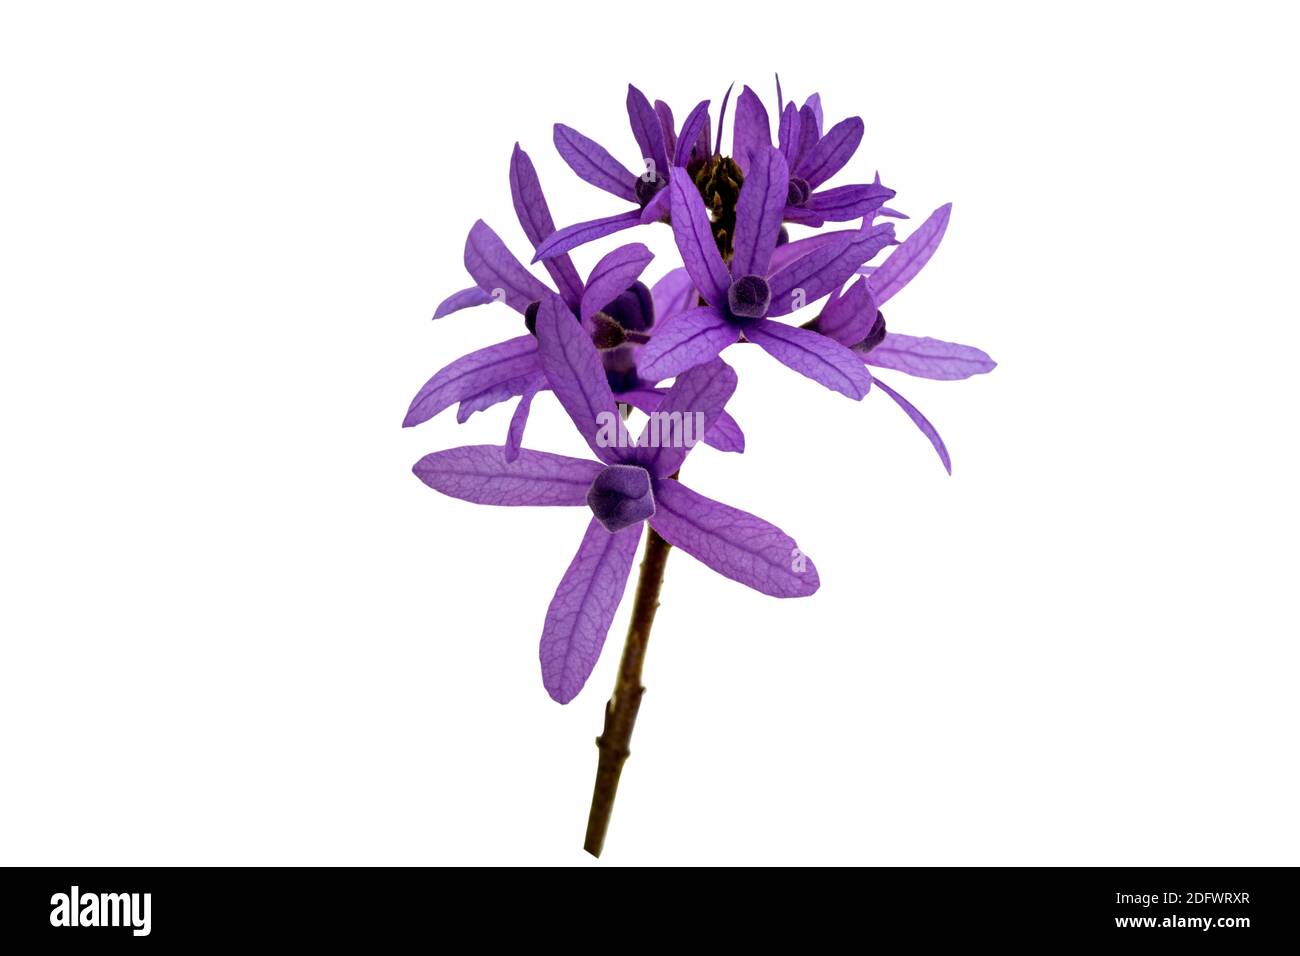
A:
(621, 710)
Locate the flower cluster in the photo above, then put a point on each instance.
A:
(607, 344)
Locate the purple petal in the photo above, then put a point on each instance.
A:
(848, 318)
(809, 133)
(480, 473)
(684, 340)
(535, 218)
(667, 124)
(831, 152)
(698, 396)
(732, 542)
(697, 124)
(494, 394)
(821, 359)
(751, 129)
(788, 253)
(570, 237)
(463, 299)
(515, 436)
(693, 233)
(499, 273)
(674, 293)
(583, 608)
(473, 373)
(921, 422)
(814, 103)
(724, 434)
(592, 163)
(649, 134)
(758, 212)
(722, 115)
(577, 377)
(789, 132)
(913, 253)
(849, 202)
(613, 274)
(657, 209)
(809, 278)
(929, 358)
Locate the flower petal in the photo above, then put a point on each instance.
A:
(921, 422)
(583, 608)
(535, 218)
(912, 253)
(668, 125)
(788, 253)
(498, 272)
(515, 436)
(480, 473)
(695, 126)
(647, 131)
(929, 358)
(570, 237)
(848, 318)
(814, 103)
(463, 299)
(613, 274)
(828, 267)
(724, 434)
(657, 209)
(849, 202)
(751, 129)
(674, 293)
(701, 393)
(790, 131)
(831, 152)
(722, 116)
(693, 233)
(684, 340)
(734, 543)
(494, 395)
(758, 212)
(821, 359)
(577, 377)
(473, 373)
(592, 163)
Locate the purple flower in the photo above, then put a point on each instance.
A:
(742, 297)
(662, 149)
(613, 306)
(629, 484)
(854, 319)
(811, 159)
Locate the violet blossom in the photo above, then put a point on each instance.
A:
(630, 483)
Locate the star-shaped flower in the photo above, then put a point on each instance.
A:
(630, 483)
(742, 298)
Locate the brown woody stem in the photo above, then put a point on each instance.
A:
(620, 712)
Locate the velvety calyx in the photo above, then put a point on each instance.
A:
(798, 192)
(875, 336)
(620, 496)
(749, 297)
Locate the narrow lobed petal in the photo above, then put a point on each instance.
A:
(758, 212)
(930, 358)
(519, 420)
(481, 474)
(580, 233)
(648, 132)
(535, 219)
(693, 233)
(831, 152)
(613, 274)
(583, 608)
(823, 360)
(464, 299)
(911, 255)
(592, 163)
(734, 543)
(921, 422)
(474, 373)
(684, 417)
(498, 272)
(577, 377)
(751, 130)
(685, 340)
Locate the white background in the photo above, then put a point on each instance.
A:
(236, 629)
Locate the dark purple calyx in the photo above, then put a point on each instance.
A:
(621, 496)
(749, 297)
(647, 186)
(874, 337)
(530, 317)
(797, 192)
(633, 309)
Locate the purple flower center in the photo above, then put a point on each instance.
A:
(621, 496)
(646, 189)
(797, 192)
(874, 337)
(749, 297)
